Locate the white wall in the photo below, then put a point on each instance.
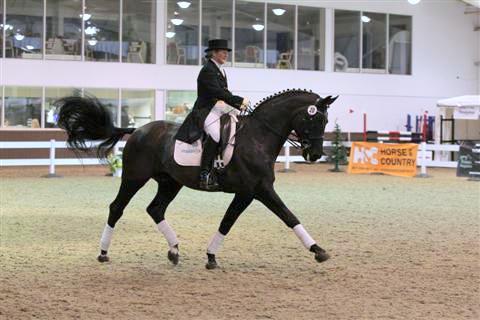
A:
(444, 50)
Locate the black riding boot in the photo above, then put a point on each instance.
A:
(209, 152)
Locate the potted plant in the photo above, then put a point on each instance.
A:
(115, 164)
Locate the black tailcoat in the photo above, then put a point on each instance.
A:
(211, 87)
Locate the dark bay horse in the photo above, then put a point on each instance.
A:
(148, 154)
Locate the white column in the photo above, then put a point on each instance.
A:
(329, 39)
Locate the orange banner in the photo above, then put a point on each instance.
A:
(388, 158)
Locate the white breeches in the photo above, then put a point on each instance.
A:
(212, 122)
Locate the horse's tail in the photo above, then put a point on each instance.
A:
(86, 118)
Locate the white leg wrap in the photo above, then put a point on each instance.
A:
(106, 238)
(215, 243)
(169, 235)
(303, 235)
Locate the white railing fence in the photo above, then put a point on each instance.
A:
(424, 159)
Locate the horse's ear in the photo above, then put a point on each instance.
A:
(332, 100)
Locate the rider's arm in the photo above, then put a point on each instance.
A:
(209, 80)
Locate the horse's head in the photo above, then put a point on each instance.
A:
(309, 125)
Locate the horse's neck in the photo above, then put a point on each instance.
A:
(277, 125)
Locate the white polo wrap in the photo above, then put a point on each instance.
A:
(106, 238)
(303, 235)
(168, 233)
(215, 243)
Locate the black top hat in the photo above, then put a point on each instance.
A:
(218, 44)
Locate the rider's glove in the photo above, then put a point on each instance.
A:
(245, 104)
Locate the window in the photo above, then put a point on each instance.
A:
(182, 32)
(52, 95)
(63, 30)
(374, 40)
(109, 98)
(137, 108)
(24, 29)
(1, 28)
(179, 104)
(249, 34)
(347, 40)
(102, 26)
(311, 38)
(400, 44)
(280, 36)
(216, 22)
(139, 30)
(23, 107)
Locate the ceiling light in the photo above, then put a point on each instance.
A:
(279, 11)
(177, 21)
(91, 30)
(184, 4)
(92, 42)
(258, 27)
(366, 19)
(170, 34)
(414, 1)
(85, 16)
(19, 36)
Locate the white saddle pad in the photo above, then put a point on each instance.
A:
(191, 154)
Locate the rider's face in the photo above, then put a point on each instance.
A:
(220, 56)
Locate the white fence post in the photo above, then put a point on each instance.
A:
(51, 169)
(287, 159)
(423, 157)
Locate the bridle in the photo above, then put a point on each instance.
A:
(304, 139)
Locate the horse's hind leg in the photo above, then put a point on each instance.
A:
(167, 190)
(238, 205)
(128, 188)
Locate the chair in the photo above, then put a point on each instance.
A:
(181, 55)
(252, 54)
(285, 60)
(136, 52)
(9, 48)
(175, 54)
(341, 62)
(54, 46)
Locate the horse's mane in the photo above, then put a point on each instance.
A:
(282, 94)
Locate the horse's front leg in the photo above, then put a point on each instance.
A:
(238, 205)
(272, 201)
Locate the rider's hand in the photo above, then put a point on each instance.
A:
(245, 104)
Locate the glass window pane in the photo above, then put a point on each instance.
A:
(137, 107)
(52, 94)
(374, 40)
(249, 34)
(23, 107)
(1, 28)
(139, 30)
(347, 40)
(216, 22)
(63, 30)
(182, 32)
(108, 97)
(102, 29)
(400, 45)
(280, 36)
(311, 38)
(179, 104)
(24, 29)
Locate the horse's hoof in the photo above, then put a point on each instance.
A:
(211, 265)
(103, 258)
(321, 256)
(173, 257)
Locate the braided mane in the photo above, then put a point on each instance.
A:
(281, 94)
